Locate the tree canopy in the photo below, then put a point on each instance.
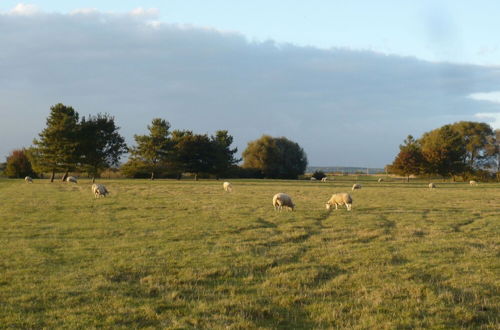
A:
(56, 148)
(463, 148)
(153, 149)
(18, 165)
(275, 157)
(100, 144)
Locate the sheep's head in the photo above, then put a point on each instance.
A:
(328, 206)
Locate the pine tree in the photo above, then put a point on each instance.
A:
(56, 148)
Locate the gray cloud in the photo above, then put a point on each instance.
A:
(344, 107)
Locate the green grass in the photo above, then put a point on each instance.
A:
(184, 254)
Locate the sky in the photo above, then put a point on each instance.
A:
(348, 81)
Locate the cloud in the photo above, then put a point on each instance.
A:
(25, 9)
(343, 107)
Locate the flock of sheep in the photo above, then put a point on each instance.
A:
(280, 200)
(99, 190)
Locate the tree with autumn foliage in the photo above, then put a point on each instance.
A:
(18, 165)
(409, 160)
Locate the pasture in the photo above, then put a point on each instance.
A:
(185, 254)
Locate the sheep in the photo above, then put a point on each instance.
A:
(324, 179)
(28, 179)
(356, 186)
(71, 179)
(380, 180)
(99, 190)
(281, 200)
(432, 185)
(339, 199)
(227, 186)
(313, 178)
(473, 183)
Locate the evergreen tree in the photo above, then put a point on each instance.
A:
(153, 149)
(56, 148)
(224, 156)
(100, 144)
(194, 153)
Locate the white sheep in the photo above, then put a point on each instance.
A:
(432, 185)
(339, 199)
(356, 186)
(227, 186)
(380, 180)
(281, 200)
(28, 179)
(313, 178)
(473, 183)
(99, 190)
(324, 179)
(71, 179)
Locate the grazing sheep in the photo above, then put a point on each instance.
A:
(473, 183)
(380, 180)
(99, 190)
(432, 185)
(324, 179)
(28, 179)
(356, 186)
(281, 200)
(313, 178)
(339, 199)
(71, 179)
(227, 186)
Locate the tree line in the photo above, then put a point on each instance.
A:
(93, 144)
(467, 149)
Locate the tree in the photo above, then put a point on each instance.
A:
(409, 160)
(224, 158)
(194, 153)
(155, 148)
(56, 148)
(477, 138)
(18, 165)
(100, 144)
(275, 157)
(443, 151)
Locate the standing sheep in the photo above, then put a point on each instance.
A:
(313, 178)
(356, 186)
(99, 190)
(227, 186)
(28, 179)
(380, 180)
(432, 185)
(339, 199)
(324, 179)
(71, 179)
(281, 200)
(473, 183)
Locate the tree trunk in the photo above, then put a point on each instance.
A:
(152, 175)
(65, 176)
(196, 177)
(52, 176)
(93, 179)
(179, 176)
(408, 179)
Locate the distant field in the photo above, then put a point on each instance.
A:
(184, 254)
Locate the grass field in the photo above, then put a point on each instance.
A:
(184, 254)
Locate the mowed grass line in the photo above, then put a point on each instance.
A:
(185, 254)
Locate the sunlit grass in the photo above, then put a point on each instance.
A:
(185, 254)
